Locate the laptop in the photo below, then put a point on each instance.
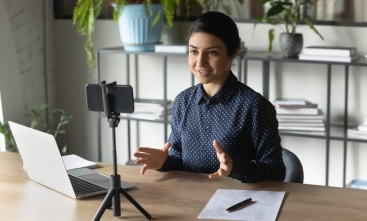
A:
(44, 165)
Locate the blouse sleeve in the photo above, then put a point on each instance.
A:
(174, 160)
(268, 162)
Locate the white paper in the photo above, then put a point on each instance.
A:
(265, 205)
(73, 161)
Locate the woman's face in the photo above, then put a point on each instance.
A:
(208, 59)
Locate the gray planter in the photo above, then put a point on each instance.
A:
(291, 44)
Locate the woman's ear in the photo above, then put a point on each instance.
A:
(235, 53)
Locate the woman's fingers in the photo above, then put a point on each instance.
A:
(145, 149)
(141, 161)
(143, 169)
(213, 175)
(141, 155)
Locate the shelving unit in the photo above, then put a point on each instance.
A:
(331, 132)
(165, 121)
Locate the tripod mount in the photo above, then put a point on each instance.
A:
(112, 198)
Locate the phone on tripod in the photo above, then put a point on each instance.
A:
(121, 98)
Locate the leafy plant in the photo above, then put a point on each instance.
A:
(288, 13)
(86, 13)
(59, 118)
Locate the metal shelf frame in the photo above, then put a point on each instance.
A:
(266, 58)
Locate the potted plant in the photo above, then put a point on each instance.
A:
(60, 118)
(289, 14)
(144, 16)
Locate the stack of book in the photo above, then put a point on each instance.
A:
(299, 115)
(324, 53)
(149, 109)
(360, 131)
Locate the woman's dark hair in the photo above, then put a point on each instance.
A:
(219, 25)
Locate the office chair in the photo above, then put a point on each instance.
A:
(294, 169)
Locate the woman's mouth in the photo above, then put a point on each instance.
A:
(203, 72)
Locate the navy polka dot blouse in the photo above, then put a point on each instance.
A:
(240, 119)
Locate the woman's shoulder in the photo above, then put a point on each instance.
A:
(249, 94)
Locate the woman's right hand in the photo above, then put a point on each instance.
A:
(152, 159)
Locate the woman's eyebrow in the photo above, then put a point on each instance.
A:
(211, 47)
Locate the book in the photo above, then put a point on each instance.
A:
(319, 116)
(330, 51)
(300, 111)
(150, 102)
(147, 116)
(358, 184)
(362, 127)
(301, 128)
(306, 105)
(171, 48)
(280, 120)
(73, 161)
(290, 101)
(355, 131)
(301, 124)
(327, 58)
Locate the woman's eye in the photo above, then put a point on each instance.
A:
(193, 51)
(212, 52)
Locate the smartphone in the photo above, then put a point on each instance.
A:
(120, 97)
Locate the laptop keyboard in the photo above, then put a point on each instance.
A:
(81, 186)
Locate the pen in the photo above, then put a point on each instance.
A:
(239, 205)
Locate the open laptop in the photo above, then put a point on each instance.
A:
(44, 165)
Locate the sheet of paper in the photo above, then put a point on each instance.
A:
(74, 161)
(265, 205)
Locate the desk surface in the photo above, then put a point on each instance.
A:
(166, 196)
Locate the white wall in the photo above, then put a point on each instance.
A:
(10, 83)
(287, 80)
(26, 79)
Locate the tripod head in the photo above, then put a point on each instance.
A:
(106, 105)
(115, 99)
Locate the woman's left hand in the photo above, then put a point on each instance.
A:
(225, 160)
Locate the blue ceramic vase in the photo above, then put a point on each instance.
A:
(136, 28)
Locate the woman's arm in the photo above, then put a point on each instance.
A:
(268, 162)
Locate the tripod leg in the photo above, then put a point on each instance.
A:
(106, 202)
(141, 209)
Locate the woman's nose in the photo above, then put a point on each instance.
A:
(202, 60)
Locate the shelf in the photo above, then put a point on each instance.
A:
(120, 50)
(336, 133)
(278, 56)
(138, 119)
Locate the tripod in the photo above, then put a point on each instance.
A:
(113, 195)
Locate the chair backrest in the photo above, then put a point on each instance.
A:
(294, 169)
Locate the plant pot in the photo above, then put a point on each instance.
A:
(136, 28)
(291, 44)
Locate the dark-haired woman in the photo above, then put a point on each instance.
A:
(220, 126)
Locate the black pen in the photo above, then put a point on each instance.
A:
(239, 205)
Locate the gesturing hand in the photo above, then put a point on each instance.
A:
(152, 159)
(225, 160)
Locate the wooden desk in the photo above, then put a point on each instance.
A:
(166, 196)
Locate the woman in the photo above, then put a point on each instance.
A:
(220, 126)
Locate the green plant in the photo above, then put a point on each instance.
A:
(59, 118)
(288, 12)
(86, 12)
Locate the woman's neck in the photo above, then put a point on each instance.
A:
(213, 87)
